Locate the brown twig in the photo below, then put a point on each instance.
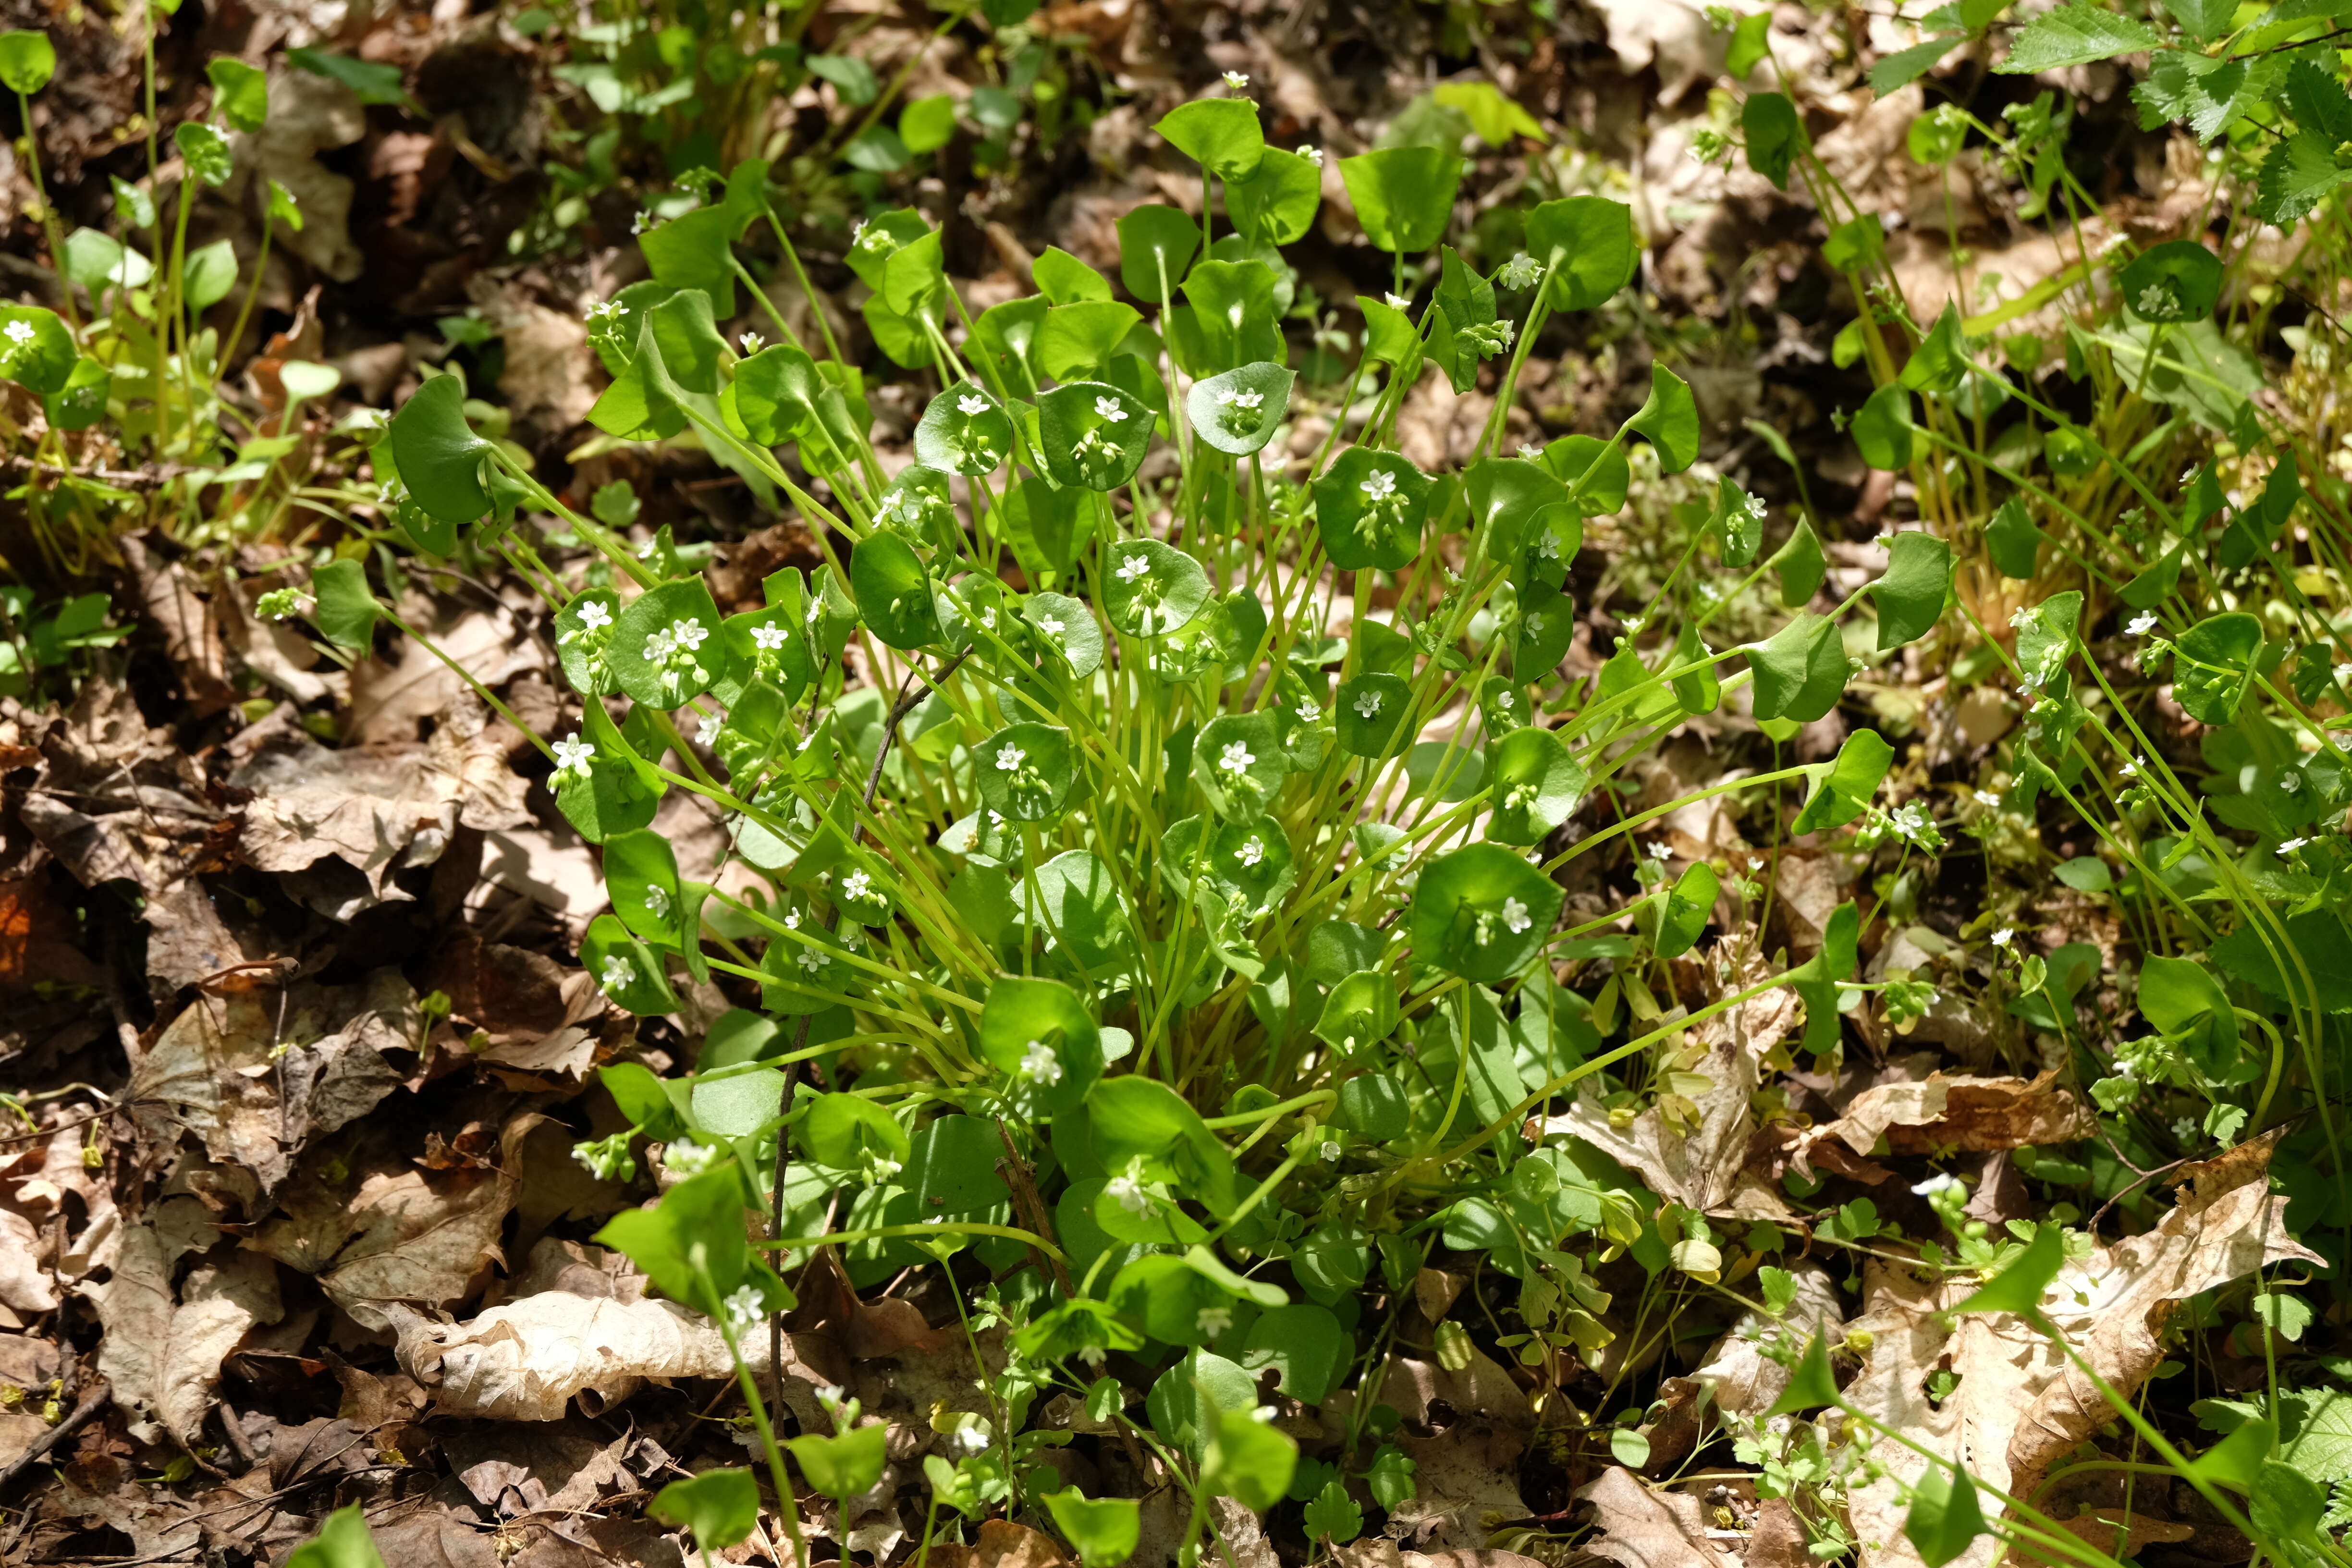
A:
(91, 1403)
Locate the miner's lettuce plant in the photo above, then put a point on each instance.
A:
(1165, 912)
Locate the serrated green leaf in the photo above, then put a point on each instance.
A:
(2075, 35)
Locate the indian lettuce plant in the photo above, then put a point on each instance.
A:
(1158, 841)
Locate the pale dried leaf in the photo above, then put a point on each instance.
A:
(1699, 1168)
(25, 1285)
(162, 1356)
(1637, 1527)
(1745, 1379)
(524, 1361)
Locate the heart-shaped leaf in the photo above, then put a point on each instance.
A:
(1910, 597)
(721, 1507)
(1801, 670)
(1370, 506)
(1152, 589)
(1536, 784)
(1669, 420)
(1882, 430)
(1156, 247)
(1064, 279)
(1027, 773)
(240, 92)
(1403, 197)
(1686, 908)
(1076, 341)
(1277, 203)
(1505, 495)
(1588, 244)
(439, 455)
(1483, 913)
(1221, 134)
(1237, 412)
(1093, 435)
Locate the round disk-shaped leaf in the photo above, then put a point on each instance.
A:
(1221, 134)
(625, 969)
(1505, 495)
(1094, 434)
(1483, 913)
(894, 591)
(1403, 195)
(1237, 412)
(1536, 783)
(1239, 763)
(27, 61)
(917, 504)
(1070, 628)
(1026, 772)
(439, 456)
(583, 637)
(1251, 864)
(37, 352)
(1370, 507)
(1153, 588)
(2180, 281)
(1547, 626)
(665, 649)
(1042, 1039)
(81, 402)
(1368, 711)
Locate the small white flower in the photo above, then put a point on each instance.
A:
(1040, 1064)
(2185, 1129)
(2130, 770)
(1110, 409)
(857, 887)
(2291, 845)
(1941, 1181)
(1051, 625)
(596, 616)
(1660, 850)
(1129, 1193)
(1985, 797)
(1378, 485)
(1313, 155)
(1009, 757)
(1236, 758)
(831, 1395)
(688, 1157)
(688, 634)
(1133, 567)
(657, 901)
(1330, 1152)
(1309, 710)
(1211, 1321)
(1530, 451)
(20, 334)
(1237, 80)
(659, 647)
(752, 343)
(1396, 302)
(988, 618)
(2141, 624)
(573, 754)
(968, 405)
(1520, 270)
(1516, 916)
(810, 958)
(2003, 937)
(2127, 1069)
(1367, 704)
(1245, 400)
(618, 971)
(1251, 853)
(768, 638)
(2344, 675)
(746, 1308)
(996, 817)
(792, 920)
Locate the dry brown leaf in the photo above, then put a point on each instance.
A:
(162, 1355)
(1975, 1114)
(425, 1236)
(1001, 1544)
(1481, 1388)
(1637, 1527)
(25, 1285)
(1699, 1168)
(309, 115)
(2018, 1403)
(524, 1361)
(390, 701)
(1744, 1377)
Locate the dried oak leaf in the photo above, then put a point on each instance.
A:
(1637, 1527)
(2018, 1404)
(162, 1353)
(526, 1360)
(1967, 1113)
(1745, 1378)
(1702, 1168)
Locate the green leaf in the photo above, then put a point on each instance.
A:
(1628, 1448)
(1389, 336)
(1038, 1034)
(1231, 319)
(1104, 1530)
(343, 1541)
(1156, 245)
(696, 1230)
(2204, 20)
(42, 362)
(1027, 773)
(965, 431)
(1536, 784)
(628, 972)
(2284, 1505)
(204, 151)
(1892, 73)
(896, 597)
(208, 275)
(96, 260)
(1305, 1344)
(1082, 901)
(1239, 764)
(1370, 508)
(1483, 913)
(1141, 1124)
(1688, 907)
(1811, 1385)
(1494, 118)
(1910, 597)
(1094, 435)
(1368, 711)
(849, 1133)
(371, 81)
(1944, 1519)
(927, 124)
(2179, 281)
(1776, 135)
(1844, 786)
(1750, 43)
(851, 77)
(2187, 1004)
(1403, 197)
(1333, 1515)
(1153, 589)
(1076, 341)
(240, 92)
(1883, 428)
(2075, 35)
(1277, 202)
(1221, 134)
(721, 1507)
(1504, 496)
(2237, 1459)
(1940, 363)
(2012, 539)
(1801, 670)
(1669, 420)
(2019, 1288)
(641, 876)
(1250, 1461)
(1801, 565)
(2214, 664)
(439, 456)
(1187, 1403)
(81, 402)
(844, 1465)
(27, 61)
(665, 650)
(1064, 279)
(1236, 412)
(1588, 244)
(348, 610)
